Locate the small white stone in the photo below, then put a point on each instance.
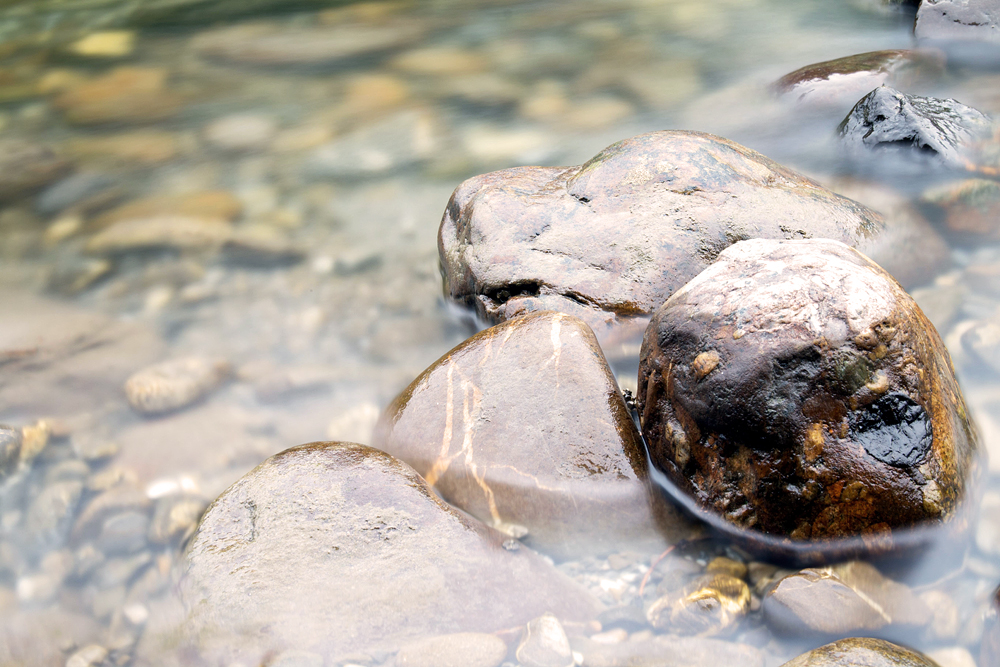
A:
(88, 656)
(136, 613)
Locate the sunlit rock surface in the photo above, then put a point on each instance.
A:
(334, 548)
(944, 129)
(861, 651)
(976, 20)
(609, 241)
(524, 427)
(794, 389)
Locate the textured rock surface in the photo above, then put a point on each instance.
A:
(841, 600)
(795, 389)
(610, 240)
(886, 118)
(397, 563)
(523, 426)
(977, 20)
(847, 79)
(861, 651)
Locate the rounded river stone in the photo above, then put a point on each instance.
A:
(608, 241)
(861, 651)
(794, 389)
(336, 548)
(523, 426)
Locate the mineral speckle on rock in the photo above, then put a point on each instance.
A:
(861, 651)
(833, 410)
(398, 563)
(174, 384)
(843, 599)
(524, 427)
(610, 240)
(886, 118)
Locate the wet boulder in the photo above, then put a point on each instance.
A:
(861, 651)
(975, 20)
(842, 599)
(336, 548)
(944, 129)
(793, 389)
(609, 241)
(524, 427)
(833, 82)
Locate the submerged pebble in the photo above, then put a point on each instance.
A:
(868, 652)
(174, 384)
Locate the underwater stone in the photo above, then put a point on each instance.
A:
(861, 651)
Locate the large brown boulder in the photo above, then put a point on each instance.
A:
(524, 427)
(335, 548)
(609, 241)
(794, 389)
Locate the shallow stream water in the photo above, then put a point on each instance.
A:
(333, 304)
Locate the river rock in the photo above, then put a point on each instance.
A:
(205, 204)
(524, 427)
(711, 605)
(26, 167)
(846, 79)
(82, 191)
(174, 384)
(886, 118)
(124, 95)
(971, 208)
(174, 232)
(976, 20)
(464, 649)
(397, 563)
(544, 644)
(271, 44)
(610, 240)
(861, 651)
(794, 389)
(841, 600)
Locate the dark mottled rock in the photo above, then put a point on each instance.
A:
(861, 651)
(26, 167)
(841, 600)
(885, 118)
(971, 208)
(610, 240)
(977, 20)
(794, 389)
(668, 651)
(989, 652)
(397, 563)
(846, 79)
(523, 426)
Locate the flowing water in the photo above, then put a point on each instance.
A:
(325, 156)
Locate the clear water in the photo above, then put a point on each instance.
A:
(321, 344)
